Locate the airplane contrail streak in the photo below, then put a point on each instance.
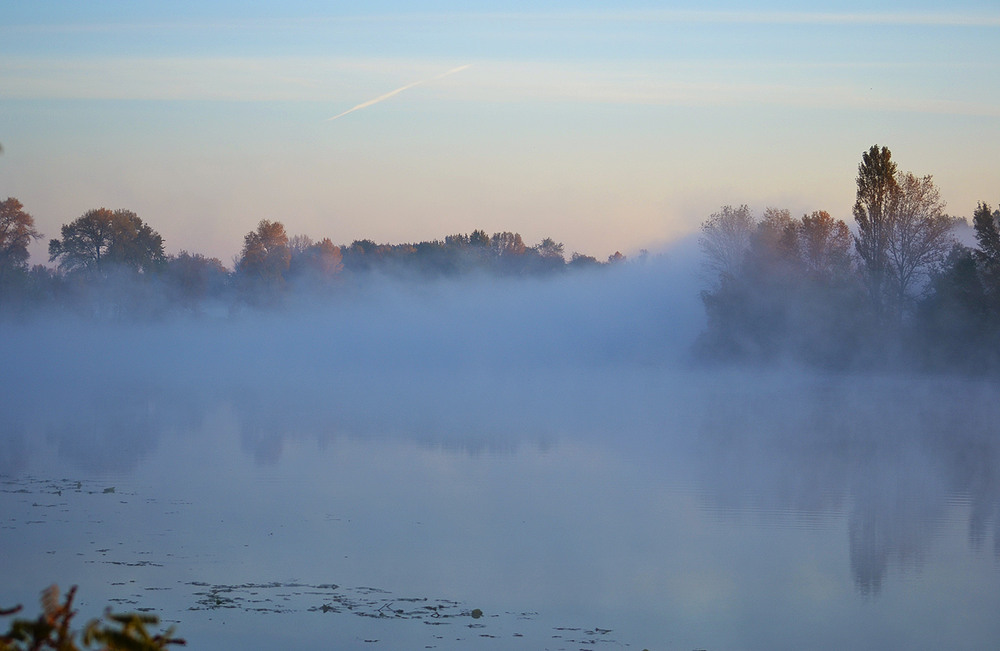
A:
(382, 98)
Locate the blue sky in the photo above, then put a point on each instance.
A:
(607, 129)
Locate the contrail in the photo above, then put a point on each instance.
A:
(382, 98)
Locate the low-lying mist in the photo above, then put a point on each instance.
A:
(385, 353)
(472, 362)
(599, 360)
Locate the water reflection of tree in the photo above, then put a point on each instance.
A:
(899, 453)
(985, 494)
(896, 507)
(100, 427)
(267, 421)
(893, 455)
(974, 468)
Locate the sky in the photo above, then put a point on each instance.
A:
(607, 129)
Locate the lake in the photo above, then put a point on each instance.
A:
(370, 474)
(576, 506)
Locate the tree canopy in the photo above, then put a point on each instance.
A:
(918, 238)
(908, 292)
(17, 230)
(102, 239)
(265, 257)
(725, 237)
(877, 191)
(902, 231)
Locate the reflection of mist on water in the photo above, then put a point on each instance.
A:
(565, 411)
(893, 455)
(460, 360)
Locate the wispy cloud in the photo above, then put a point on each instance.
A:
(934, 19)
(966, 18)
(724, 82)
(382, 98)
(210, 78)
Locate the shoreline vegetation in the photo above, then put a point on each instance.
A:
(895, 289)
(52, 629)
(110, 263)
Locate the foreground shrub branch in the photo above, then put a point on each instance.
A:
(52, 630)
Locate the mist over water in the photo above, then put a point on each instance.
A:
(384, 342)
(546, 450)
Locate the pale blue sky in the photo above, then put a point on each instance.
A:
(607, 129)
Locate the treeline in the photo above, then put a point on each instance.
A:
(897, 291)
(111, 263)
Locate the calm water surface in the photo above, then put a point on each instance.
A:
(577, 510)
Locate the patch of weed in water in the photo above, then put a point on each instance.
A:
(374, 603)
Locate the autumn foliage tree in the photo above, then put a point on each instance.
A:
(102, 240)
(17, 231)
(192, 277)
(266, 256)
(825, 246)
(782, 287)
(903, 233)
(314, 263)
(899, 291)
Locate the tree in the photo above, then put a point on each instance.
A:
(550, 250)
(784, 288)
(954, 326)
(824, 245)
(102, 239)
(458, 241)
(877, 192)
(581, 261)
(17, 230)
(507, 243)
(299, 243)
(265, 257)
(987, 227)
(193, 277)
(506, 253)
(319, 261)
(750, 310)
(725, 238)
(774, 238)
(479, 238)
(902, 231)
(987, 255)
(546, 257)
(918, 236)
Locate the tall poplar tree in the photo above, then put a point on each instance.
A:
(877, 193)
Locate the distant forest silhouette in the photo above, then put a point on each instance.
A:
(110, 263)
(896, 290)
